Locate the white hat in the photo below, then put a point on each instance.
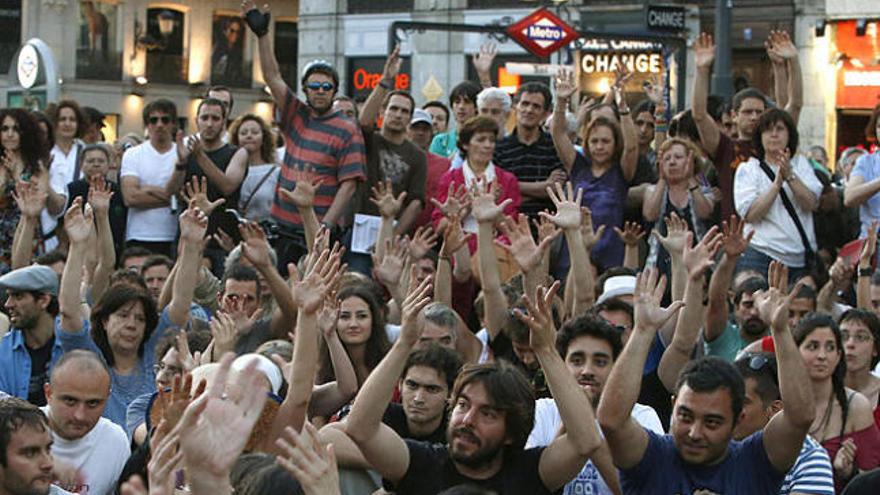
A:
(420, 115)
(620, 285)
(264, 365)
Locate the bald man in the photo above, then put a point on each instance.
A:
(90, 451)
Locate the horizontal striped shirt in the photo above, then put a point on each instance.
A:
(332, 144)
(811, 473)
(529, 163)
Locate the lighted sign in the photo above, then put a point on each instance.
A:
(665, 18)
(610, 62)
(864, 78)
(542, 32)
(365, 73)
(28, 66)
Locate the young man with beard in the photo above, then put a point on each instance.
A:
(699, 453)
(492, 414)
(90, 451)
(30, 348)
(26, 462)
(314, 135)
(589, 346)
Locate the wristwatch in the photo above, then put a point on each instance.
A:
(865, 272)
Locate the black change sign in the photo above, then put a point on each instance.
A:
(665, 18)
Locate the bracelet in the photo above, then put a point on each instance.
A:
(661, 128)
(692, 189)
(387, 85)
(623, 112)
(865, 272)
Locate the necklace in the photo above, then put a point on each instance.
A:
(825, 417)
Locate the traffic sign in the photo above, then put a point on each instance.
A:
(542, 32)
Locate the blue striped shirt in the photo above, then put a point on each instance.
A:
(811, 473)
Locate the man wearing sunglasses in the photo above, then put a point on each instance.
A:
(315, 136)
(145, 171)
(811, 473)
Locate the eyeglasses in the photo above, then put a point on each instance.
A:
(155, 120)
(860, 337)
(324, 86)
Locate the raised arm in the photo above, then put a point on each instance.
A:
(631, 235)
(568, 218)
(309, 294)
(524, 251)
(454, 240)
(78, 223)
(389, 207)
(258, 21)
(654, 199)
(370, 110)
(734, 244)
(566, 455)
(380, 445)
(626, 438)
(483, 63)
(30, 200)
(784, 434)
(486, 212)
(784, 48)
(630, 158)
(863, 287)
(99, 197)
(565, 87)
(193, 224)
(696, 261)
(303, 197)
(329, 397)
(780, 70)
(255, 248)
(704, 56)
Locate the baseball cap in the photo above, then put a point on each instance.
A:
(420, 115)
(620, 285)
(35, 278)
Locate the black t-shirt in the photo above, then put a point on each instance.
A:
(219, 218)
(432, 471)
(502, 348)
(118, 211)
(395, 418)
(40, 359)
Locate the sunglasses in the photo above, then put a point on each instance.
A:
(324, 86)
(155, 120)
(757, 362)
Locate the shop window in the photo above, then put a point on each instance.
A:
(10, 30)
(166, 59)
(98, 49)
(372, 6)
(286, 49)
(228, 64)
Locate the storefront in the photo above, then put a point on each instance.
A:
(857, 62)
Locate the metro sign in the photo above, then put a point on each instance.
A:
(542, 32)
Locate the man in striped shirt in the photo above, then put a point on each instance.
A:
(314, 136)
(811, 473)
(528, 151)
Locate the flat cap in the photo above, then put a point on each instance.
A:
(37, 278)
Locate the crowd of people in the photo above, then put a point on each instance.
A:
(508, 294)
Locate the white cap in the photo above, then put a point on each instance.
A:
(420, 115)
(264, 365)
(620, 285)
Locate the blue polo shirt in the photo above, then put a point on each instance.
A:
(15, 363)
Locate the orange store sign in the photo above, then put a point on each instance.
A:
(858, 76)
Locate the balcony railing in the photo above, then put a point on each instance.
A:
(98, 65)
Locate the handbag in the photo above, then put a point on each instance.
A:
(812, 262)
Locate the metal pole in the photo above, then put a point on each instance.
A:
(722, 80)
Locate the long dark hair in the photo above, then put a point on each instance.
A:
(804, 328)
(32, 144)
(377, 344)
(114, 298)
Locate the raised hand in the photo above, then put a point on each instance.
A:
(383, 198)
(78, 221)
(676, 233)
(568, 207)
(165, 459)
(780, 47)
(545, 227)
(417, 297)
(311, 461)
(216, 426)
(256, 19)
(422, 241)
(869, 247)
(655, 89)
(172, 403)
(565, 83)
(649, 316)
(485, 209)
(458, 202)
(701, 257)
(772, 304)
(254, 245)
(522, 247)
(309, 293)
(188, 360)
(704, 51)
(454, 238)
(392, 64)
(225, 331)
(193, 224)
(483, 60)
(590, 235)
(542, 331)
(223, 240)
(631, 234)
(30, 199)
(735, 243)
(99, 195)
(307, 183)
(389, 269)
(328, 316)
(196, 192)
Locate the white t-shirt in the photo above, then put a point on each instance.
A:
(776, 235)
(60, 174)
(547, 423)
(153, 169)
(99, 457)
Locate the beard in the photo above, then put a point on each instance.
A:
(481, 456)
(754, 326)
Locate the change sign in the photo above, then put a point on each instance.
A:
(542, 32)
(665, 18)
